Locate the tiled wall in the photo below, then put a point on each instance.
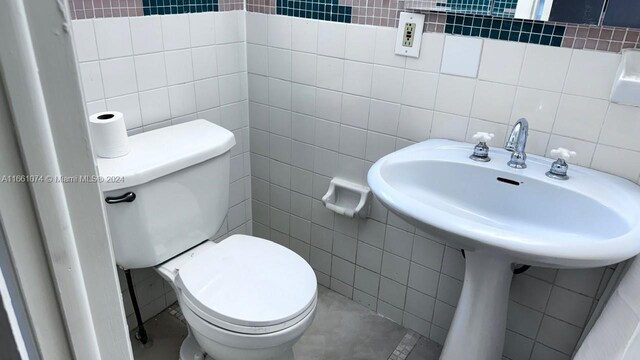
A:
(89, 9)
(386, 13)
(164, 70)
(329, 99)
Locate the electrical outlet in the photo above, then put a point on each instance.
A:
(409, 32)
(409, 36)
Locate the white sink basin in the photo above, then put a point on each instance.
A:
(501, 216)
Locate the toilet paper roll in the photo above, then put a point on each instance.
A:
(109, 134)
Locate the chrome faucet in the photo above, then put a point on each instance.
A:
(517, 142)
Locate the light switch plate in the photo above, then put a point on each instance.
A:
(409, 36)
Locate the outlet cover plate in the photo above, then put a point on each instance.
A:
(409, 38)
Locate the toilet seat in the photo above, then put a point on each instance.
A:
(248, 285)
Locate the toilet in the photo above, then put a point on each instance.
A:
(244, 298)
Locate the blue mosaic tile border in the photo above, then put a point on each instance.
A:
(166, 7)
(526, 31)
(329, 10)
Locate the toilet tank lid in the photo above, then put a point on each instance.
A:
(164, 151)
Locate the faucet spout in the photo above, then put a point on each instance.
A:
(517, 143)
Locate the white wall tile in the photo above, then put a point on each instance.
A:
(259, 88)
(227, 27)
(360, 43)
(353, 141)
(516, 346)
(303, 99)
(96, 106)
(84, 39)
(342, 270)
(257, 56)
(583, 80)
(541, 352)
(230, 58)
(385, 51)
(328, 104)
(330, 73)
(150, 71)
(179, 66)
(461, 56)
(523, 320)
(257, 28)
(493, 102)
(420, 304)
(280, 122)
(280, 93)
(455, 95)
(280, 63)
(580, 117)
(367, 281)
(621, 126)
(91, 77)
(146, 34)
(118, 76)
(501, 61)
(175, 32)
(449, 126)
(569, 306)
(415, 123)
(431, 49)
(205, 63)
(616, 161)
(545, 67)
(129, 106)
(384, 117)
(357, 78)
(304, 68)
(558, 335)
(231, 88)
(182, 99)
(387, 83)
(537, 106)
(327, 134)
(395, 268)
(583, 281)
(202, 28)
(154, 106)
(379, 145)
(423, 279)
(392, 292)
(279, 31)
(331, 38)
(305, 36)
(419, 89)
(206, 94)
(113, 37)
(530, 292)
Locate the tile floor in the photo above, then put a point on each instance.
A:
(342, 330)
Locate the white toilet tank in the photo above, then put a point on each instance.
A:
(170, 193)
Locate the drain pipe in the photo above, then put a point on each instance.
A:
(141, 333)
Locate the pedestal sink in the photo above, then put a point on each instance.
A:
(503, 216)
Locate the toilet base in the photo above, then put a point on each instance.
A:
(190, 350)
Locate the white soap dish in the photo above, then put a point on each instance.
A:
(626, 87)
(347, 198)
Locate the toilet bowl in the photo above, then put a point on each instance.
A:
(244, 298)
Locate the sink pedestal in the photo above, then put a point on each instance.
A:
(478, 327)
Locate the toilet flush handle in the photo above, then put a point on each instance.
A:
(126, 197)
